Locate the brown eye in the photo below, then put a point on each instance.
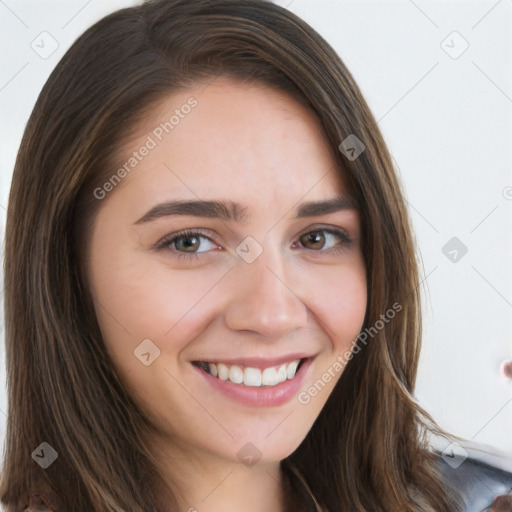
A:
(325, 240)
(187, 243)
(313, 240)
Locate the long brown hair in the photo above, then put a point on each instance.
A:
(367, 450)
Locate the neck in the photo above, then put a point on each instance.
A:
(201, 481)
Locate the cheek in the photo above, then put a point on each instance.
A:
(337, 296)
(136, 300)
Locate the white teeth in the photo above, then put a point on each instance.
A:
(222, 371)
(291, 369)
(236, 374)
(213, 369)
(281, 373)
(269, 377)
(254, 377)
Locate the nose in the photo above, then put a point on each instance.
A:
(262, 301)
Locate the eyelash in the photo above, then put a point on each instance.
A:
(187, 233)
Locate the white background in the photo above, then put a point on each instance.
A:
(447, 122)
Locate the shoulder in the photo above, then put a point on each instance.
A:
(479, 482)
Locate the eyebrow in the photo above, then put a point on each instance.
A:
(231, 211)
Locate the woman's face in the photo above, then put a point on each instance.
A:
(271, 274)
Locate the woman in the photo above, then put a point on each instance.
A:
(211, 288)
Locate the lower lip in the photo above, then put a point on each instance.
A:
(262, 396)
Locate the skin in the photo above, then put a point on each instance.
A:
(262, 149)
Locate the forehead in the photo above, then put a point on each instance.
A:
(250, 142)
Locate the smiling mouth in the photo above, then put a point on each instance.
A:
(249, 376)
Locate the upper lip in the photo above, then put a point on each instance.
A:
(256, 362)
